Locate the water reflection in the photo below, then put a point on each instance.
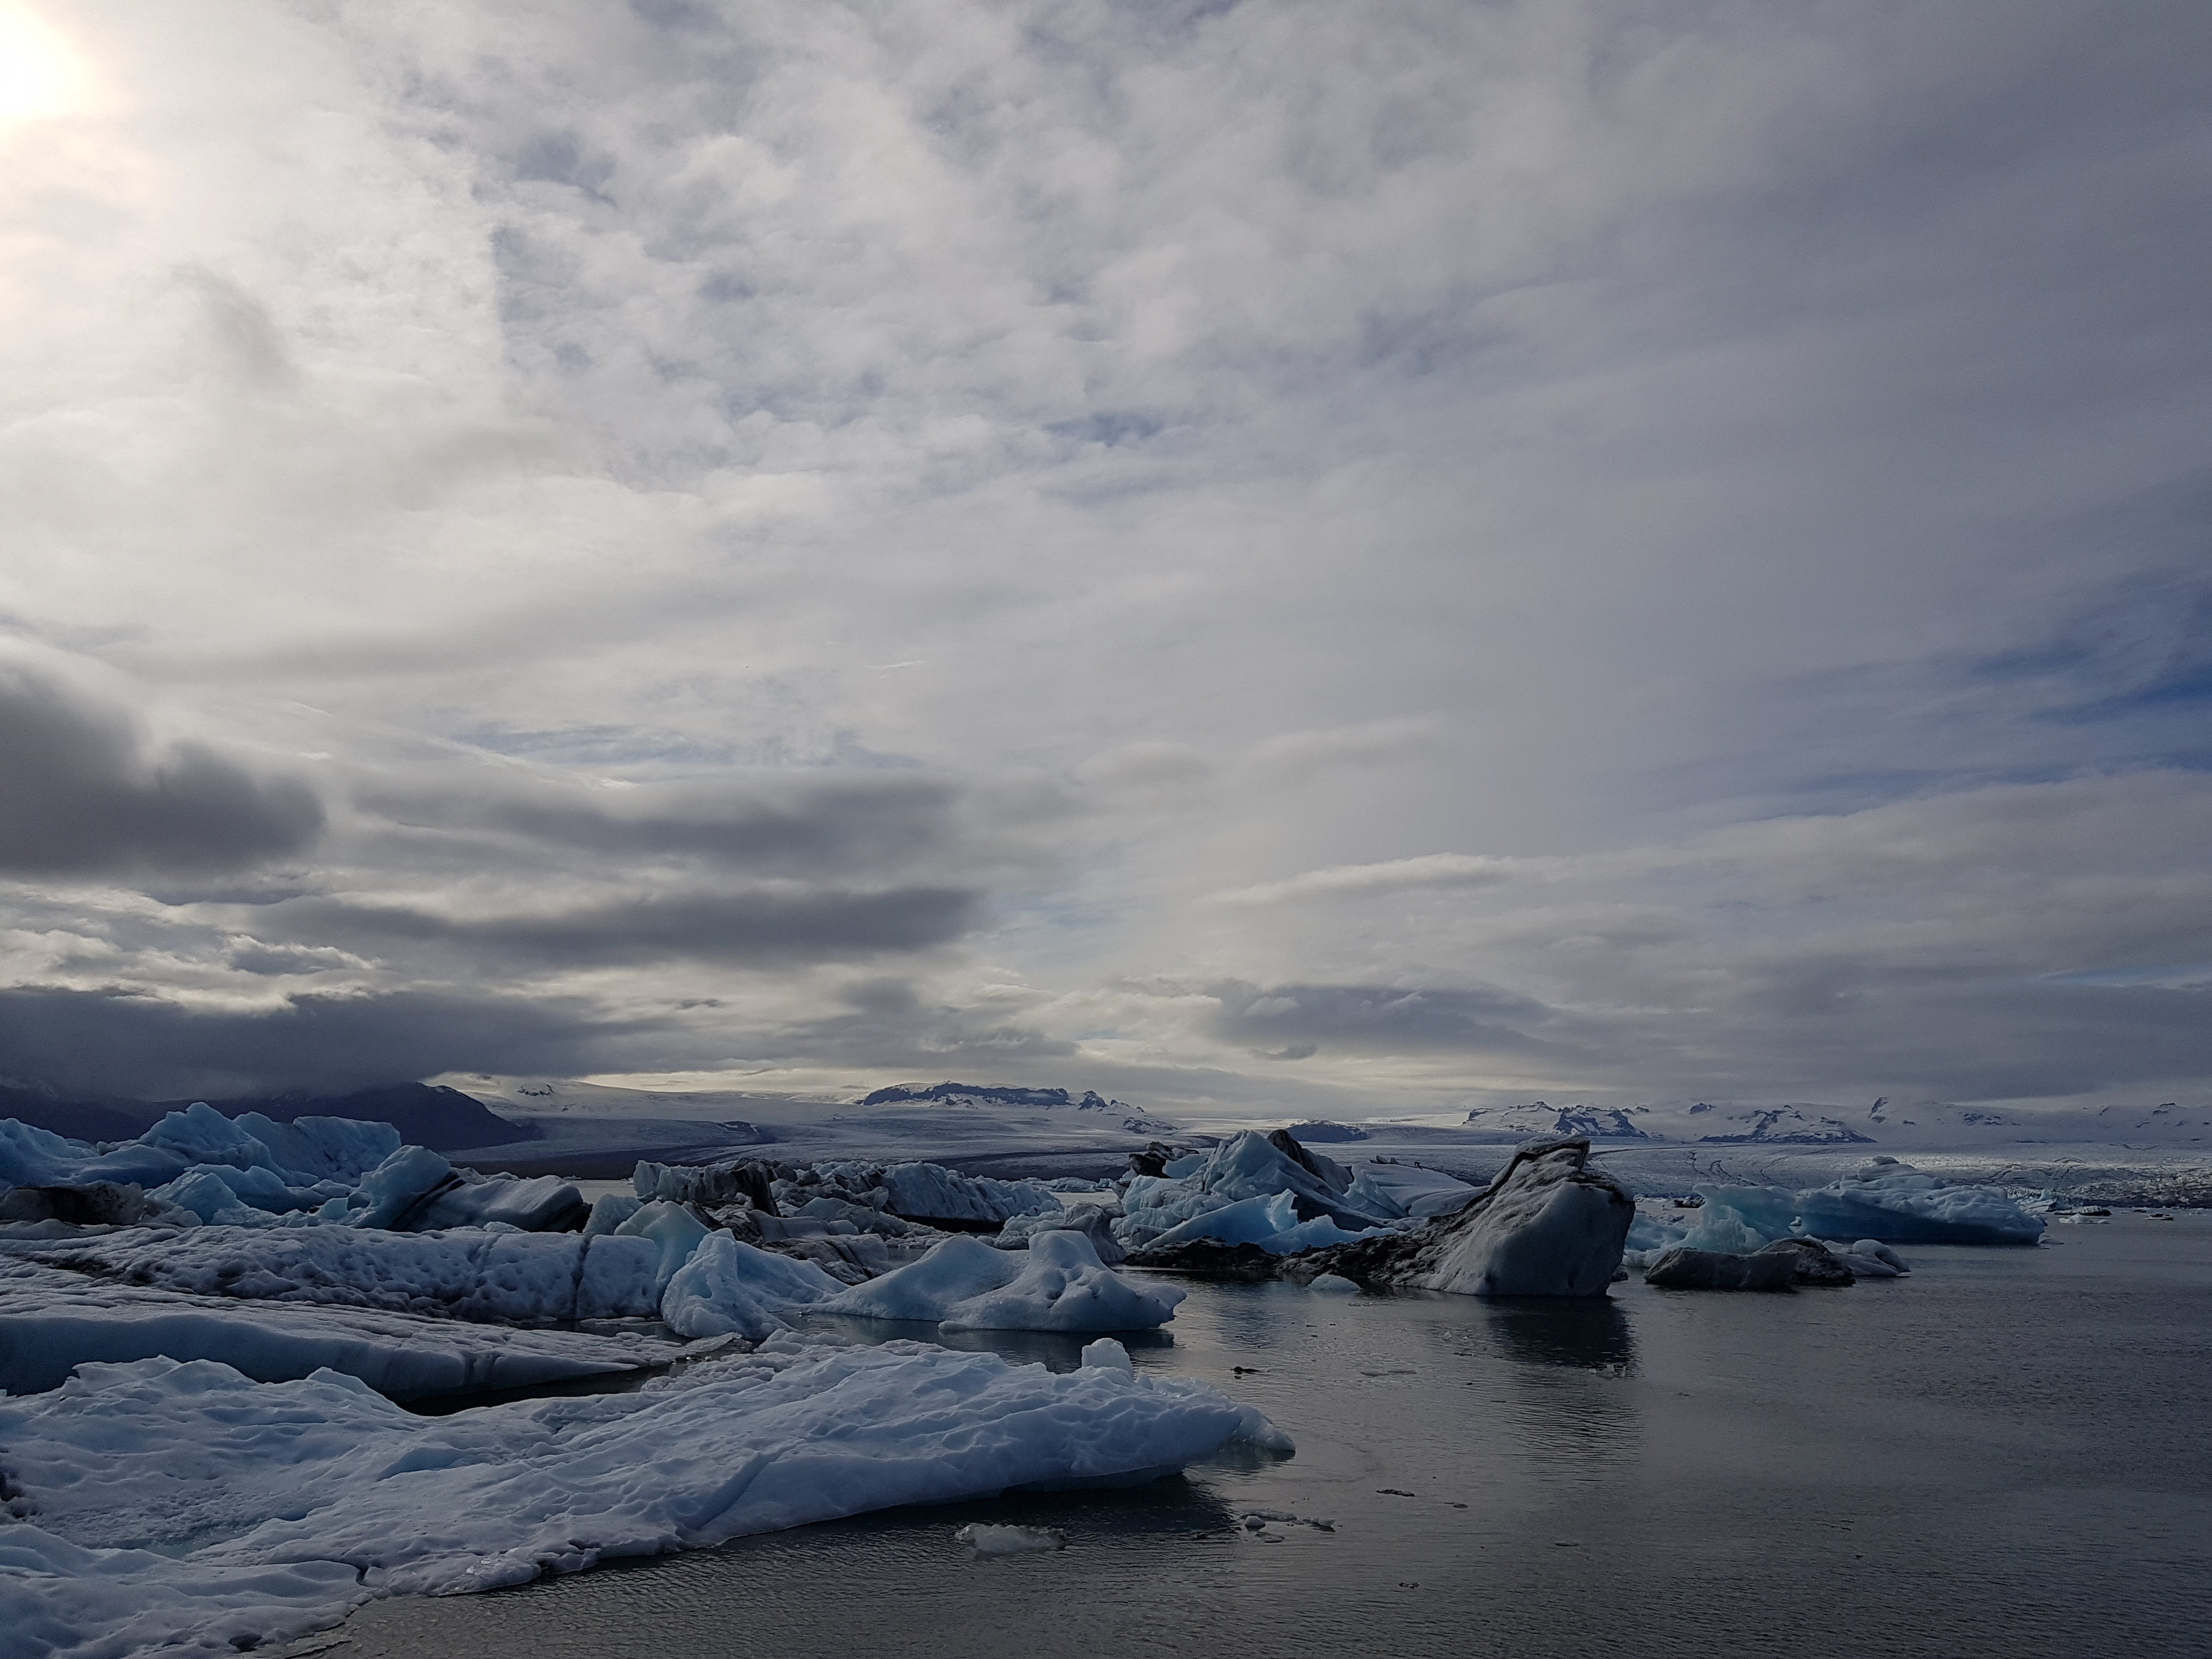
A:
(1584, 1333)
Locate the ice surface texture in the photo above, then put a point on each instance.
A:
(495, 1277)
(1548, 1225)
(185, 1507)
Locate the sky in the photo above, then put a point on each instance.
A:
(1367, 559)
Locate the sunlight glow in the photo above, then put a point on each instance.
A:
(39, 75)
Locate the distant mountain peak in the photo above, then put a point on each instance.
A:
(980, 1094)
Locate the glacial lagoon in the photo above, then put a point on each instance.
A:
(2008, 1453)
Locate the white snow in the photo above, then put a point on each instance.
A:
(184, 1507)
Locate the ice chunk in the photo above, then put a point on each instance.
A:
(323, 1148)
(1548, 1225)
(928, 1192)
(1685, 1269)
(728, 1287)
(503, 1277)
(954, 1270)
(398, 1185)
(1270, 1223)
(1248, 1165)
(673, 1228)
(1898, 1205)
(544, 1204)
(735, 1179)
(1333, 1284)
(273, 1508)
(986, 1540)
(1089, 1220)
(1063, 1286)
(609, 1212)
(1109, 1354)
(53, 1321)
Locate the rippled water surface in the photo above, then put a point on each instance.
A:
(2009, 1453)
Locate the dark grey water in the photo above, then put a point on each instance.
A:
(2009, 1453)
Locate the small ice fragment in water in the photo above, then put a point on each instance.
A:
(986, 1540)
(1333, 1284)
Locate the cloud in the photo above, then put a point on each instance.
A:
(1737, 467)
(86, 794)
(146, 1047)
(1433, 870)
(757, 928)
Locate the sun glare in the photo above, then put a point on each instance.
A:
(40, 74)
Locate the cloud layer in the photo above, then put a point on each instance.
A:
(1266, 553)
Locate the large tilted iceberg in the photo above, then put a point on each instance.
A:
(185, 1508)
(1550, 1224)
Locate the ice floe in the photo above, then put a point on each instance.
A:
(184, 1507)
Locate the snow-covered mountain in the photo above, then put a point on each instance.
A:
(1884, 1124)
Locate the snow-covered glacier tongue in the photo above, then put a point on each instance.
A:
(1550, 1224)
(186, 1509)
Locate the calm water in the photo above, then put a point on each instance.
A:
(2009, 1453)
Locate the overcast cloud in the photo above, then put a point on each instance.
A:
(1366, 558)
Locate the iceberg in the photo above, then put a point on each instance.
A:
(1248, 1165)
(1897, 1205)
(1272, 1224)
(955, 1270)
(183, 1507)
(1058, 1284)
(495, 1277)
(1063, 1286)
(1548, 1225)
(730, 1288)
(53, 1321)
(1682, 1268)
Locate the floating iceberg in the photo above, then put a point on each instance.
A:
(1548, 1225)
(1897, 1204)
(185, 1508)
(51, 1322)
(490, 1277)
(1273, 1223)
(727, 1287)
(1683, 1268)
(1063, 1286)
(1058, 1284)
(1245, 1167)
(1885, 1202)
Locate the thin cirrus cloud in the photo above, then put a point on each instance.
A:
(1670, 540)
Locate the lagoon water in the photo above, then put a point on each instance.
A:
(2008, 1453)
